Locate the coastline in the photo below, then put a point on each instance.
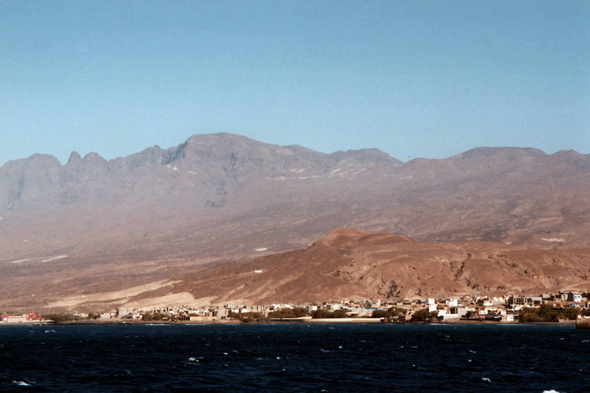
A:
(338, 321)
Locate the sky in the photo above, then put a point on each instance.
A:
(412, 78)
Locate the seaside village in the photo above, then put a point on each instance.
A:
(565, 305)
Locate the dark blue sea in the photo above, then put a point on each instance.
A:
(294, 358)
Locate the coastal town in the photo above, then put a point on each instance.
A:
(559, 307)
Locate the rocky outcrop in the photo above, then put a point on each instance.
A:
(352, 264)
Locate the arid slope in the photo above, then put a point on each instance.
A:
(354, 264)
(94, 226)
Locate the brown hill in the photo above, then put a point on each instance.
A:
(350, 237)
(347, 264)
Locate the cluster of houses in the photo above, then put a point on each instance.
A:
(502, 308)
(173, 313)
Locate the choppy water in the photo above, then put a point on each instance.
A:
(287, 358)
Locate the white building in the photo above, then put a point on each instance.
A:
(452, 302)
(574, 297)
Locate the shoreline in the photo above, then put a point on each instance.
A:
(338, 321)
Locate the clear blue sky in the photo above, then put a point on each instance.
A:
(412, 78)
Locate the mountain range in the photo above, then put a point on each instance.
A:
(122, 227)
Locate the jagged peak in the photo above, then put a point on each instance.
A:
(74, 158)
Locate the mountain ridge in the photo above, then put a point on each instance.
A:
(219, 198)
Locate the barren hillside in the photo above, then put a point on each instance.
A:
(354, 264)
(93, 226)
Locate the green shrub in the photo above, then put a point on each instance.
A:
(296, 312)
(423, 315)
(392, 312)
(546, 313)
(58, 318)
(570, 313)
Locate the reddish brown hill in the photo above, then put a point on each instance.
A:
(342, 237)
(377, 239)
(351, 264)
(350, 237)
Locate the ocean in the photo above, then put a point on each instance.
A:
(295, 358)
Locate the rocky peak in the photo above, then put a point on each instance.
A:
(74, 159)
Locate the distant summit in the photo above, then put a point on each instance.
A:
(508, 152)
(97, 226)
